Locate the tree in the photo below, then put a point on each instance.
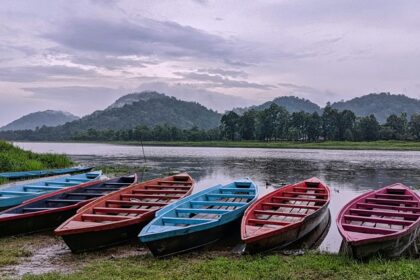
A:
(368, 128)
(415, 126)
(346, 122)
(229, 125)
(330, 123)
(398, 126)
(247, 125)
(314, 127)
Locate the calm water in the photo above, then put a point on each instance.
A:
(348, 173)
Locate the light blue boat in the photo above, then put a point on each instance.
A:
(15, 194)
(198, 219)
(43, 173)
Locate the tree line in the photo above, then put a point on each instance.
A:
(272, 124)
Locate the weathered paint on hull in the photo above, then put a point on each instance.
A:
(96, 240)
(281, 240)
(185, 243)
(34, 224)
(406, 245)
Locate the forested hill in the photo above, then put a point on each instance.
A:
(156, 109)
(381, 105)
(290, 103)
(39, 119)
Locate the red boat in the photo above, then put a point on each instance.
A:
(119, 217)
(285, 215)
(51, 209)
(385, 222)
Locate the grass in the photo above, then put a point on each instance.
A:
(15, 159)
(340, 145)
(11, 250)
(309, 266)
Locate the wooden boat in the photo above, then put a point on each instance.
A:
(119, 217)
(385, 222)
(43, 173)
(199, 219)
(51, 209)
(285, 215)
(15, 194)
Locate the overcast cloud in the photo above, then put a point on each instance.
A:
(80, 56)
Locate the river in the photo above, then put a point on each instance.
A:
(347, 173)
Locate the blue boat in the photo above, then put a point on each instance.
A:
(15, 194)
(199, 219)
(43, 173)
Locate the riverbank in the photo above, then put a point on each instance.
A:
(332, 145)
(13, 158)
(43, 256)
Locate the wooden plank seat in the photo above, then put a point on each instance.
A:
(393, 196)
(275, 213)
(64, 200)
(16, 193)
(159, 191)
(115, 184)
(36, 209)
(223, 195)
(279, 205)
(174, 182)
(190, 221)
(366, 229)
(299, 199)
(102, 218)
(385, 213)
(140, 196)
(389, 207)
(119, 210)
(378, 220)
(103, 189)
(217, 203)
(268, 222)
(243, 190)
(30, 187)
(59, 183)
(391, 201)
(84, 194)
(167, 187)
(309, 189)
(136, 203)
(201, 210)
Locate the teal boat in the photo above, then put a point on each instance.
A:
(43, 173)
(15, 194)
(199, 219)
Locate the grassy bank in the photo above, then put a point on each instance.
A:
(309, 266)
(15, 159)
(340, 145)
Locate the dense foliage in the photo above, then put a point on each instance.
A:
(272, 124)
(15, 159)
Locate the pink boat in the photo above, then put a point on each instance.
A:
(385, 222)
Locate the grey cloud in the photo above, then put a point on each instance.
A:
(35, 73)
(145, 37)
(314, 94)
(223, 72)
(219, 81)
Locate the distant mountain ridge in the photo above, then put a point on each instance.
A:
(382, 105)
(49, 118)
(290, 103)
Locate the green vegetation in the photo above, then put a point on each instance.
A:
(309, 266)
(334, 145)
(11, 250)
(15, 159)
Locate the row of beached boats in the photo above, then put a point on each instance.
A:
(90, 212)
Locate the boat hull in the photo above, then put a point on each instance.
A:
(283, 239)
(35, 223)
(405, 245)
(96, 240)
(188, 242)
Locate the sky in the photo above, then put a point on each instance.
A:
(79, 56)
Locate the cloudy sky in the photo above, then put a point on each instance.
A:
(80, 56)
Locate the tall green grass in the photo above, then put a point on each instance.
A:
(15, 159)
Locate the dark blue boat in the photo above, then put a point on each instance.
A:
(15, 194)
(199, 219)
(43, 173)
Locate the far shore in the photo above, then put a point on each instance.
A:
(390, 145)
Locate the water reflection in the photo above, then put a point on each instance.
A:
(347, 173)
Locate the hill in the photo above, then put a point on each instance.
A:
(38, 119)
(291, 103)
(381, 105)
(149, 109)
